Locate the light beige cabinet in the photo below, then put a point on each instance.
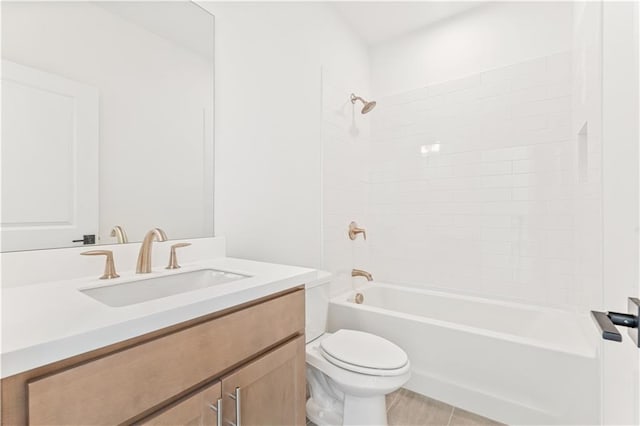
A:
(265, 391)
(262, 392)
(199, 409)
(251, 358)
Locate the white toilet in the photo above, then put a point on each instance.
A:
(349, 372)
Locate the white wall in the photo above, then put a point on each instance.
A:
(293, 161)
(586, 127)
(487, 37)
(620, 135)
(489, 212)
(152, 96)
(269, 57)
(494, 210)
(345, 165)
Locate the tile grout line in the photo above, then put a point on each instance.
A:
(393, 401)
(451, 416)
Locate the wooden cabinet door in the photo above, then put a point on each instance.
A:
(199, 409)
(268, 391)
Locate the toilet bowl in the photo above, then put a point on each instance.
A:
(349, 372)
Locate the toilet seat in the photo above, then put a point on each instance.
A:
(352, 382)
(364, 353)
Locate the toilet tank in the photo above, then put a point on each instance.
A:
(317, 305)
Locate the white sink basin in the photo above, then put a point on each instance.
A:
(145, 289)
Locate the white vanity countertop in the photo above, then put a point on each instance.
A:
(47, 322)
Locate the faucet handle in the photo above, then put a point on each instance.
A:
(354, 231)
(109, 266)
(173, 259)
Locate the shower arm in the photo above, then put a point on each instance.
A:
(355, 98)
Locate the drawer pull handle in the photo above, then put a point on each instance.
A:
(236, 397)
(218, 409)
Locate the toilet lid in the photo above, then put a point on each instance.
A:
(364, 350)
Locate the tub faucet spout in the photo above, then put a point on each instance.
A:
(361, 273)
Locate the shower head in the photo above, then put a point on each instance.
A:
(368, 106)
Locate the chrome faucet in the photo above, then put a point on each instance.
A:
(361, 273)
(144, 257)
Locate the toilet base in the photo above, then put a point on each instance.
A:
(371, 411)
(322, 417)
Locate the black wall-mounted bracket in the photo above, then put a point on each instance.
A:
(607, 322)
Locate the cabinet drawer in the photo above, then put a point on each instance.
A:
(121, 386)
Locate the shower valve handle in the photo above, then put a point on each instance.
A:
(607, 322)
(354, 231)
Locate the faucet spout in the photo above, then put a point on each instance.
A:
(121, 236)
(361, 273)
(144, 257)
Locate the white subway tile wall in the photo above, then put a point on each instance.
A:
(492, 211)
(472, 185)
(586, 125)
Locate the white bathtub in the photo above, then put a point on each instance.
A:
(510, 362)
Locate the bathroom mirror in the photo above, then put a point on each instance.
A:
(107, 120)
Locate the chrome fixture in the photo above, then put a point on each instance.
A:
(361, 273)
(368, 106)
(144, 257)
(173, 259)
(237, 398)
(109, 266)
(121, 236)
(354, 231)
(218, 410)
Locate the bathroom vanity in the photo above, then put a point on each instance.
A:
(232, 353)
(245, 363)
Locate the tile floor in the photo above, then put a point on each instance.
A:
(406, 408)
(409, 408)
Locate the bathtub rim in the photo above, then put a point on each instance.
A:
(589, 351)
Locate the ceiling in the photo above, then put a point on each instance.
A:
(377, 22)
(184, 23)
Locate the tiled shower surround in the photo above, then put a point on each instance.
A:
(473, 186)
